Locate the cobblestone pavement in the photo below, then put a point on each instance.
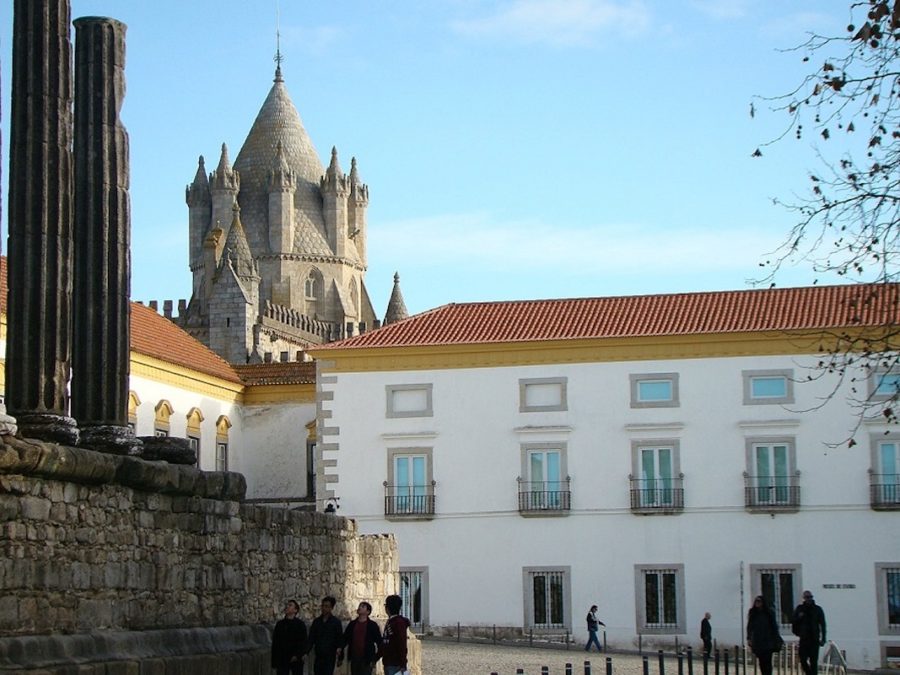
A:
(453, 658)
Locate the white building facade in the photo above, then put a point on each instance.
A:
(660, 461)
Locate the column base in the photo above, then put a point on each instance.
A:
(110, 438)
(48, 427)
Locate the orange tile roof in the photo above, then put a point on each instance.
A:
(156, 336)
(282, 372)
(777, 309)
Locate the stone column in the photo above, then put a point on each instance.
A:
(102, 279)
(40, 222)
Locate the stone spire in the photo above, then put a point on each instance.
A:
(237, 250)
(224, 177)
(281, 176)
(38, 346)
(197, 193)
(359, 192)
(396, 310)
(334, 181)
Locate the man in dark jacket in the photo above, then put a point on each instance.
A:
(808, 624)
(393, 642)
(325, 637)
(706, 634)
(289, 642)
(362, 637)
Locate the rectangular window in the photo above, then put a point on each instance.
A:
(660, 598)
(771, 474)
(414, 592)
(885, 475)
(161, 433)
(778, 585)
(221, 456)
(888, 599)
(409, 490)
(409, 400)
(884, 385)
(656, 482)
(763, 387)
(547, 591)
(546, 394)
(654, 390)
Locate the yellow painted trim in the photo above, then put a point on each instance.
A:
(261, 394)
(588, 350)
(3, 326)
(185, 378)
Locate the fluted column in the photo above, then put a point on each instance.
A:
(102, 279)
(40, 221)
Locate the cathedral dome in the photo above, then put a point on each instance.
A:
(279, 121)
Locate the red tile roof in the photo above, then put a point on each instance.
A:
(156, 336)
(282, 372)
(778, 309)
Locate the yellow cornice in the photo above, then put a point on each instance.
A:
(260, 394)
(185, 378)
(586, 350)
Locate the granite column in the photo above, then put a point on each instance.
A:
(102, 277)
(38, 347)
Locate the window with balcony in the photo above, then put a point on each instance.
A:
(660, 598)
(409, 400)
(654, 390)
(763, 387)
(887, 577)
(656, 481)
(771, 480)
(544, 394)
(884, 478)
(547, 598)
(544, 485)
(409, 489)
(779, 585)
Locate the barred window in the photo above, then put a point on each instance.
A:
(888, 600)
(547, 598)
(659, 593)
(779, 586)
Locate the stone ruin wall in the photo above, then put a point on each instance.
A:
(97, 544)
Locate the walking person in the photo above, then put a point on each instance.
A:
(325, 636)
(362, 637)
(763, 636)
(808, 624)
(593, 625)
(706, 634)
(289, 642)
(393, 639)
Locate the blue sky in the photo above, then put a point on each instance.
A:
(513, 148)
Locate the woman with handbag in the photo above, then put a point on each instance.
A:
(763, 636)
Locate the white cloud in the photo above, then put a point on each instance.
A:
(561, 24)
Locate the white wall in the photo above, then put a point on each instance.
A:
(273, 453)
(478, 543)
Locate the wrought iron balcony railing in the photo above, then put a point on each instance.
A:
(772, 493)
(541, 497)
(409, 501)
(884, 491)
(657, 495)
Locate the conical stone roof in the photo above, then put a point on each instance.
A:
(278, 120)
(396, 310)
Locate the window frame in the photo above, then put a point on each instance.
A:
(391, 482)
(544, 502)
(528, 574)
(526, 382)
(883, 495)
(875, 380)
(748, 376)
(884, 625)
(390, 389)
(635, 380)
(640, 596)
(796, 570)
(792, 476)
(424, 606)
(672, 444)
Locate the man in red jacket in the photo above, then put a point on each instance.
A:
(393, 640)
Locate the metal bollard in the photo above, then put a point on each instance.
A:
(568, 669)
(520, 671)
(717, 663)
(608, 665)
(545, 670)
(587, 668)
(725, 654)
(690, 657)
(457, 631)
(662, 662)
(494, 633)
(681, 664)
(646, 664)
